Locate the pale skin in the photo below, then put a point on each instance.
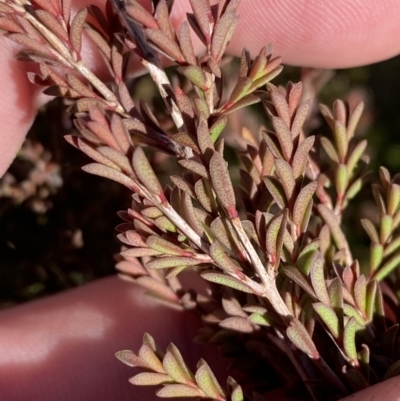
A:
(61, 348)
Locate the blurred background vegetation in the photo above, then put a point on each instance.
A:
(57, 223)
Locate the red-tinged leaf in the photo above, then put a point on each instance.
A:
(327, 114)
(163, 18)
(370, 230)
(120, 133)
(111, 174)
(103, 132)
(284, 137)
(150, 379)
(302, 201)
(190, 215)
(299, 336)
(354, 119)
(148, 355)
(223, 33)
(328, 316)
(131, 268)
(141, 15)
(295, 275)
(62, 91)
(51, 22)
(281, 107)
(146, 174)
(207, 381)
(204, 195)
(227, 281)
(30, 43)
(183, 185)
(239, 324)
(258, 65)
(300, 157)
(129, 358)
(334, 226)
(66, 9)
(178, 390)
(286, 177)
(300, 117)
(275, 188)
(184, 139)
(186, 44)
(87, 148)
(195, 167)
(349, 339)
(222, 184)
(159, 289)
(393, 370)
(167, 262)
(99, 41)
(75, 34)
(167, 45)
(118, 158)
(379, 198)
(318, 279)
(10, 25)
(204, 18)
(4, 8)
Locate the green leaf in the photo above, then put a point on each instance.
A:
(370, 299)
(305, 257)
(301, 156)
(195, 75)
(302, 201)
(355, 156)
(388, 267)
(354, 119)
(349, 339)
(352, 312)
(149, 379)
(178, 391)
(318, 279)
(376, 256)
(223, 260)
(225, 280)
(341, 179)
(275, 188)
(207, 381)
(341, 139)
(330, 150)
(299, 336)
(166, 247)
(217, 128)
(336, 293)
(175, 366)
(274, 236)
(166, 262)
(328, 316)
(385, 228)
(334, 226)
(360, 289)
(148, 355)
(146, 174)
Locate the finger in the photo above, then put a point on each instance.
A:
(319, 33)
(62, 348)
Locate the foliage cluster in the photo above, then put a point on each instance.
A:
(282, 278)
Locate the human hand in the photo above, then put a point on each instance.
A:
(62, 347)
